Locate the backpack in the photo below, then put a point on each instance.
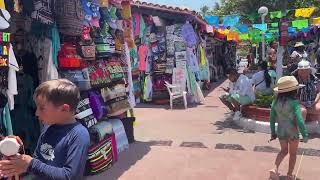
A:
(43, 11)
(70, 17)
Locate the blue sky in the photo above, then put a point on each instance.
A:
(192, 4)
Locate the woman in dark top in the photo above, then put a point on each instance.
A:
(308, 95)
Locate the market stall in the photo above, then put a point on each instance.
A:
(168, 41)
(88, 42)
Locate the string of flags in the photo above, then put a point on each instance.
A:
(234, 31)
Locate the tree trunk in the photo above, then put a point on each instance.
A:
(281, 49)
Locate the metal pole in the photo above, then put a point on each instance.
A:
(263, 41)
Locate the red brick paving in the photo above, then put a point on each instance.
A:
(206, 124)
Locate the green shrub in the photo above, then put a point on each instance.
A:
(263, 101)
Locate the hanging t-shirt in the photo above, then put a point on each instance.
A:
(192, 62)
(136, 23)
(12, 78)
(143, 52)
(47, 70)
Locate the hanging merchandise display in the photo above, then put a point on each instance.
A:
(69, 17)
(89, 42)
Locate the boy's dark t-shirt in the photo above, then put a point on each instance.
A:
(61, 153)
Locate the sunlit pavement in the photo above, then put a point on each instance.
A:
(201, 143)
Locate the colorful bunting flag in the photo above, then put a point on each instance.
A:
(275, 24)
(274, 30)
(212, 20)
(276, 14)
(231, 20)
(292, 29)
(244, 37)
(300, 24)
(224, 31)
(262, 27)
(243, 28)
(233, 36)
(305, 12)
(316, 21)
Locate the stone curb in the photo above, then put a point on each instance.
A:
(264, 127)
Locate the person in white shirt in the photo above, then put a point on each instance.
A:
(239, 92)
(264, 80)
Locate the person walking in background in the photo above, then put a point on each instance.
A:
(286, 111)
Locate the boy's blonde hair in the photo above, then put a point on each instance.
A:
(59, 92)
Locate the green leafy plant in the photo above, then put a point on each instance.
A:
(263, 101)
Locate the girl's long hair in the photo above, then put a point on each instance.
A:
(282, 98)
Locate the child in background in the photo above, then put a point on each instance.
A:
(61, 151)
(286, 111)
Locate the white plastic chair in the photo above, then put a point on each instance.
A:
(175, 92)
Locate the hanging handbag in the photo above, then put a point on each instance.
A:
(69, 16)
(79, 77)
(97, 104)
(87, 51)
(43, 11)
(100, 156)
(84, 114)
(68, 56)
(113, 92)
(103, 73)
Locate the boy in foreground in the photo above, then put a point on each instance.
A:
(61, 152)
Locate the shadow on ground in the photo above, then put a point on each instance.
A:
(126, 159)
(228, 124)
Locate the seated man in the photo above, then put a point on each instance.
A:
(309, 94)
(239, 92)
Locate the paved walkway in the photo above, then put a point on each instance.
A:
(200, 143)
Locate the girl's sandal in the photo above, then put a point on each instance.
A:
(274, 175)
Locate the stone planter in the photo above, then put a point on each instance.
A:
(256, 113)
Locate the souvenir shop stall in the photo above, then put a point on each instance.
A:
(170, 49)
(88, 42)
(219, 54)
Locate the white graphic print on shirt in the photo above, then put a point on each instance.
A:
(47, 152)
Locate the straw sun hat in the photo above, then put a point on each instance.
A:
(287, 84)
(299, 44)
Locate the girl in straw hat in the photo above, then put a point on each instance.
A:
(286, 111)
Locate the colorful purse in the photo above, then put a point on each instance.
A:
(68, 56)
(100, 156)
(87, 51)
(97, 104)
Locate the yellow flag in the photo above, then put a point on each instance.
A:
(2, 5)
(224, 32)
(305, 12)
(316, 21)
